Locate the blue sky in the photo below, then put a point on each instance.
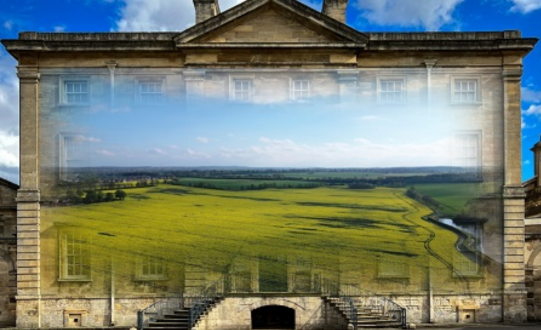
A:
(365, 15)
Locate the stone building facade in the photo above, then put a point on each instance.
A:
(265, 49)
(8, 251)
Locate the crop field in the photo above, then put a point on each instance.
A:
(333, 227)
(453, 197)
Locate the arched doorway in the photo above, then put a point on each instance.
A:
(273, 317)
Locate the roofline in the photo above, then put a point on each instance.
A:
(9, 183)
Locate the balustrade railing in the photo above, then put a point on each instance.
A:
(157, 310)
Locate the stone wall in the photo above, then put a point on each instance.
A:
(311, 312)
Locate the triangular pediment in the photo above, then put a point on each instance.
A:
(271, 22)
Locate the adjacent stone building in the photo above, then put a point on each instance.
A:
(257, 51)
(8, 251)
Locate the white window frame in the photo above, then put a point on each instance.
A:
(300, 93)
(468, 155)
(64, 91)
(65, 157)
(75, 256)
(384, 91)
(150, 269)
(469, 85)
(241, 95)
(141, 82)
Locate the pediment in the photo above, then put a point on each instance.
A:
(270, 22)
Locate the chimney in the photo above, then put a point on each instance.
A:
(205, 9)
(537, 161)
(335, 9)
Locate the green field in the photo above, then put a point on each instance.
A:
(453, 197)
(336, 228)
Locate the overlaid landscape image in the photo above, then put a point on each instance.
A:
(263, 182)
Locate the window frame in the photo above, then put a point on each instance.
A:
(141, 81)
(233, 92)
(477, 99)
(402, 92)
(293, 90)
(150, 261)
(63, 90)
(460, 259)
(63, 154)
(458, 160)
(84, 246)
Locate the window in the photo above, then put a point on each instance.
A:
(74, 92)
(465, 90)
(300, 90)
(149, 268)
(150, 92)
(391, 90)
(466, 151)
(466, 263)
(241, 90)
(74, 257)
(71, 154)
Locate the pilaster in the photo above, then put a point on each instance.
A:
(28, 202)
(514, 299)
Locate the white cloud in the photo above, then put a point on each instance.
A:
(525, 6)
(59, 28)
(286, 152)
(82, 138)
(105, 152)
(9, 149)
(8, 25)
(527, 162)
(531, 95)
(158, 151)
(161, 15)
(203, 139)
(534, 109)
(428, 14)
(9, 114)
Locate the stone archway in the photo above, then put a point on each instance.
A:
(273, 317)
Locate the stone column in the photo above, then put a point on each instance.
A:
(514, 289)
(28, 197)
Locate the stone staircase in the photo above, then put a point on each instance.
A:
(180, 319)
(369, 316)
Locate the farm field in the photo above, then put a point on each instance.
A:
(452, 197)
(336, 228)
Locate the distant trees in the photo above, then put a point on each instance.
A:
(91, 196)
(120, 194)
(425, 199)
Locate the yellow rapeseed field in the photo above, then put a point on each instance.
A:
(340, 230)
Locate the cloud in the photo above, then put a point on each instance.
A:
(360, 152)
(527, 162)
(9, 149)
(525, 6)
(158, 151)
(529, 94)
(82, 138)
(8, 25)
(105, 152)
(428, 14)
(534, 109)
(203, 139)
(160, 15)
(59, 28)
